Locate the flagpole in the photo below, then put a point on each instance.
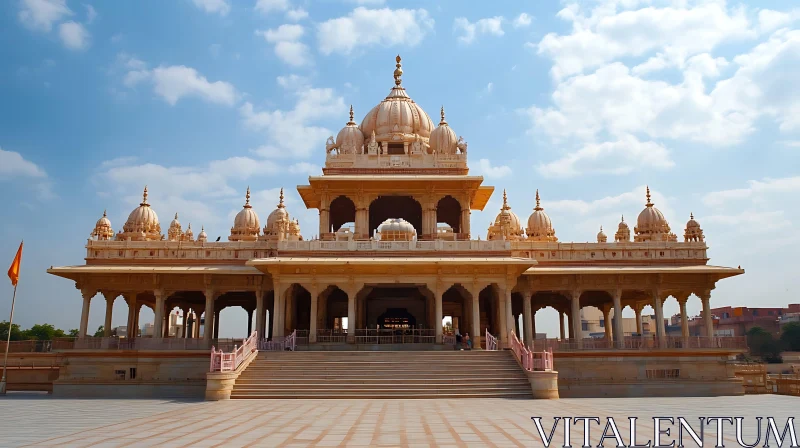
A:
(8, 344)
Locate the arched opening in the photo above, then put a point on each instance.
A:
(488, 304)
(456, 306)
(342, 211)
(333, 314)
(448, 211)
(387, 207)
(298, 309)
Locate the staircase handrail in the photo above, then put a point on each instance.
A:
(279, 344)
(491, 341)
(523, 355)
(229, 362)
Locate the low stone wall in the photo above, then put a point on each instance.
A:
(31, 371)
(132, 374)
(619, 373)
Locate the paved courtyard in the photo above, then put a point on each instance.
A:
(29, 420)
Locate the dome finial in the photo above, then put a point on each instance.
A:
(176, 215)
(649, 204)
(691, 215)
(505, 200)
(104, 214)
(443, 120)
(144, 197)
(398, 72)
(351, 116)
(538, 206)
(623, 218)
(247, 198)
(280, 204)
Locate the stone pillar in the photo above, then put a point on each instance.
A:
(87, 295)
(208, 328)
(351, 314)
(137, 310)
(570, 324)
(607, 322)
(324, 220)
(260, 316)
(196, 324)
(619, 335)
(249, 322)
(528, 317)
(638, 310)
(110, 297)
(660, 331)
(708, 321)
(362, 230)
(476, 317)
(682, 299)
(312, 326)
(216, 324)
(277, 309)
(506, 319)
(561, 325)
(437, 320)
(465, 215)
(158, 311)
(185, 331)
(575, 329)
(427, 210)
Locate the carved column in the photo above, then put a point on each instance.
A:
(575, 330)
(249, 322)
(682, 299)
(196, 324)
(504, 311)
(570, 324)
(708, 321)
(619, 336)
(208, 327)
(465, 215)
(352, 291)
(136, 328)
(607, 322)
(638, 310)
(437, 320)
(476, 317)
(260, 315)
(87, 295)
(528, 317)
(216, 324)
(324, 219)
(277, 308)
(658, 304)
(110, 297)
(158, 311)
(561, 325)
(185, 330)
(362, 230)
(312, 326)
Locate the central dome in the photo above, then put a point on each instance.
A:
(397, 118)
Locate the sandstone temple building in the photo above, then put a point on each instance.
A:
(394, 252)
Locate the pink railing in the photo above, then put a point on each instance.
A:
(642, 343)
(229, 362)
(279, 344)
(491, 341)
(530, 360)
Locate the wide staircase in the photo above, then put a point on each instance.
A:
(383, 374)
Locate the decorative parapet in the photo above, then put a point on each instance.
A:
(348, 162)
(415, 245)
(668, 252)
(98, 251)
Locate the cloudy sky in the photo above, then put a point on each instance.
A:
(587, 101)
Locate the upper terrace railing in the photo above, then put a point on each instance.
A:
(397, 161)
(642, 343)
(377, 246)
(118, 343)
(389, 336)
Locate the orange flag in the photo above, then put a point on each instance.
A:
(13, 271)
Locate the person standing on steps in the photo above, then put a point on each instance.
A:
(458, 341)
(468, 341)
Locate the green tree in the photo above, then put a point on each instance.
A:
(762, 344)
(72, 333)
(790, 336)
(101, 330)
(43, 332)
(16, 333)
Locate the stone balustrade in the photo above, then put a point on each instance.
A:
(385, 161)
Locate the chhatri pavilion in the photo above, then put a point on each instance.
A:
(394, 250)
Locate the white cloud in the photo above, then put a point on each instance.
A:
(178, 81)
(488, 25)
(769, 20)
(287, 46)
(522, 20)
(291, 133)
(747, 220)
(42, 14)
(619, 157)
(91, 14)
(296, 14)
(493, 172)
(12, 164)
(73, 35)
(373, 27)
(756, 191)
(220, 7)
(293, 82)
(267, 6)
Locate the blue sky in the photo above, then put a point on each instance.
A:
(588, 101)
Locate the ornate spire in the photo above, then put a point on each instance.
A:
(104, 214)
(538, 206)
(176, 215)
(691, 215)
(280, 204)
(144, 198)
(351, 122)
(247, 198)
(398, 72)
(649, 204)
(505, 201)
(443, 120)
(623, 218)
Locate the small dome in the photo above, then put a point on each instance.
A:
(397, 229)
(443, 139)
(246, 226)
(397, 117)
(539, 226)
(188, 235)
(651, 225)
(102, 229)
(142, 223)
(693, 231)
(507, 224)
(277, 215)
(175, 233)
(350, 140)
(601, 236)
(623, 232)
(202, 236)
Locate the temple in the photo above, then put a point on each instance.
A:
(394, 253)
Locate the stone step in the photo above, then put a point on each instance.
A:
(381, 391)
(405, 396)
(502, 373)
(257, 382)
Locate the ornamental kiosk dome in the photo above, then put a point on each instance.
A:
(693, 231)
(102, 229)
(188, 235)
(443, 139)
(142, 223)
(651, 225)
(539, 226)
(506, 225)
(397, 229)
(350, 140)
(175, 233)
(245, 226)
(202, 237)
(397, 121)
(623, 234)
(601, 236)
(279, 215)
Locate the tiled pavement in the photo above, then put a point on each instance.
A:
(44, 421)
